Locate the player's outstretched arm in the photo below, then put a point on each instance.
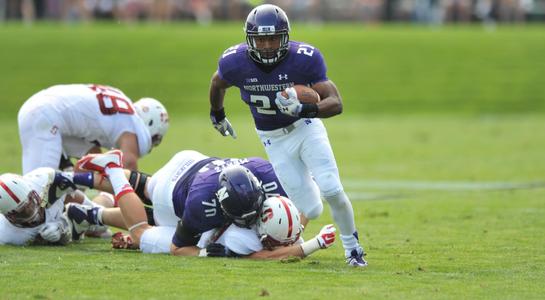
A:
(331, 103)
(323, 240)
(128, 143)
(217, 91)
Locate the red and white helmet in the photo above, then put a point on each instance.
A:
(155, 116)
(279, 223)
(19, 202)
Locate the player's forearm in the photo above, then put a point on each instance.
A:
(329, 107)
(184, 251)
(217, 96)
(134, 215)
(279, 253)
(130, 161)
(218, 88)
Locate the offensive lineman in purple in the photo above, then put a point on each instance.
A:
(258, 86)
(198, 206)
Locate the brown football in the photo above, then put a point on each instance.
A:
(304, 94)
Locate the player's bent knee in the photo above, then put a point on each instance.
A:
(314, 212)
(329, 184)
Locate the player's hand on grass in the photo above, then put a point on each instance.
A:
(52, 231)
(326, 237)
(290, 106)
(122, 241)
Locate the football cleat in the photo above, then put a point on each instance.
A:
(99, 162)
(82, 219)
(356, 258)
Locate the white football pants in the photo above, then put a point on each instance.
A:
(41, 140)
(162, 184)
(300, 156)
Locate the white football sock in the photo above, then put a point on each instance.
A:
(119, 182)
(343, 214)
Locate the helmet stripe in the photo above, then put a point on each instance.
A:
(288, 212)
(12, 195)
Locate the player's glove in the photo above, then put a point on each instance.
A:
(221, 123)
(122, 241)
(323, 240)
(99, 162)
(52, 231)
(62, 183)
(217, 250)
(326, 237)
(290, 106)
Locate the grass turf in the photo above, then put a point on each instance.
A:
(421, 105)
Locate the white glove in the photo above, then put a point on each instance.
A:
(323, 240)
(290, 106)
(224, 127)
(52, 231)
(326, 237)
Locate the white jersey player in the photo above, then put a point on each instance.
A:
(31, 208)
(72, 120)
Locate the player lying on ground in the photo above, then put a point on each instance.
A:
(219, 192)
(72, 120)
(31, 207)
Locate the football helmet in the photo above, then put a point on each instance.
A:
(19, 203)
(267, 20)
(240, 195)
(155, 116)
(279, 223)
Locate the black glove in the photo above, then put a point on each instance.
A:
(216, 250)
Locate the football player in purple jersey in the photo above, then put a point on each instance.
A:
(294, 137)
(202, 206)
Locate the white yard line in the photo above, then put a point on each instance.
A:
(400, 185)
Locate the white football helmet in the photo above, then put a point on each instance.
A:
(19, 203)
(279, 223)
(155, 116)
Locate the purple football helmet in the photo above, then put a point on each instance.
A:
(267, 20)
(240, 195)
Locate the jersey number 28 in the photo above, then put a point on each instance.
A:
(110, 101)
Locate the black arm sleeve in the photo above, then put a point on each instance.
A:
(184, 236)
(138, 182)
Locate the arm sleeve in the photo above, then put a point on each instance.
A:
(184, 236)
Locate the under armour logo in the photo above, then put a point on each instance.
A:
(282, 76)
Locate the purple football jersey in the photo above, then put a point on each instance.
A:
(199, 210)
(303, 64)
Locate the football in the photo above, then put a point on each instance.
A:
(305, 94)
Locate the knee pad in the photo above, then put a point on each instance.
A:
(329, 183)
(314, 212)
(337, 200)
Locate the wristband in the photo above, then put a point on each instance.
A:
(309, 110)
(203, 252)
(310, 246)
(217, 115)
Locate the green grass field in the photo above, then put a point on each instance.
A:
(440, 147)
